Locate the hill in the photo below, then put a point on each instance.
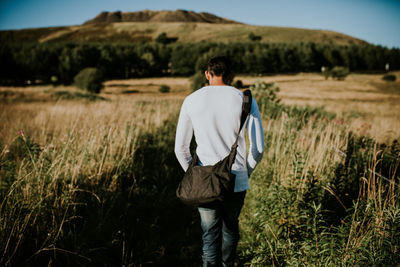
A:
(187, 26)
(157, 16)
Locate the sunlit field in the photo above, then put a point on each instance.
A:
(88, 180)
(368, 104)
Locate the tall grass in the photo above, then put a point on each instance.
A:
(321, 196)
(76, 181)
(94, 184)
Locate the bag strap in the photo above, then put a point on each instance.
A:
(246, 108)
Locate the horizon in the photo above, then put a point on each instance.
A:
(375, 22)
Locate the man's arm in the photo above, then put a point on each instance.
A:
(256, 138)
(184, 133)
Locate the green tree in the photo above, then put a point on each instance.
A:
(198, 81)
(183, 59)
(89, 79)
(339, 73)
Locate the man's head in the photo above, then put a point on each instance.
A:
(219, 67)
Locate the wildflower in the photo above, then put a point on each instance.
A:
(20, 132)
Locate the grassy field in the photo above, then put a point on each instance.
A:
(367, 104)
(89, 181)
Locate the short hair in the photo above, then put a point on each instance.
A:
(221, 66)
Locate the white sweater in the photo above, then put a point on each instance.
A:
(213, 113)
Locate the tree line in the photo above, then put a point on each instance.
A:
(48, 62)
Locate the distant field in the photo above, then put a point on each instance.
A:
(370, 105)
(365, 102)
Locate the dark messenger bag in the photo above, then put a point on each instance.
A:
(205, 184)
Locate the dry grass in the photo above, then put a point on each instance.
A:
(148, 86)
(48, 121)
(370, 105)
(89, 139)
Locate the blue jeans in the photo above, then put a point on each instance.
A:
(220, 224)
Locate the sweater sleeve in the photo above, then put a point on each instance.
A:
(184, 133)
(256, 138)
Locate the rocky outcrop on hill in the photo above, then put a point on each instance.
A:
(157, 16)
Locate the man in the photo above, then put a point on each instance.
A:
(213, 113)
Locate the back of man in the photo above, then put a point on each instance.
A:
(213, 114)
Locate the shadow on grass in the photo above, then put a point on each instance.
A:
(131, 216)
(388, 87)
(130, 91)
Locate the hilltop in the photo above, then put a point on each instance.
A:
(157, 16)
(186, 26)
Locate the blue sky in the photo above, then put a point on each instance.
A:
(375, 21)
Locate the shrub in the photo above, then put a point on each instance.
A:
(389, 77)
(54, 80)
(198, 80)
(162, 38)
(164, 88)
(89, 79)
(265, 91)
(339, 73)
(254, 37)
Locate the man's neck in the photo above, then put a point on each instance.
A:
(217, 82)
